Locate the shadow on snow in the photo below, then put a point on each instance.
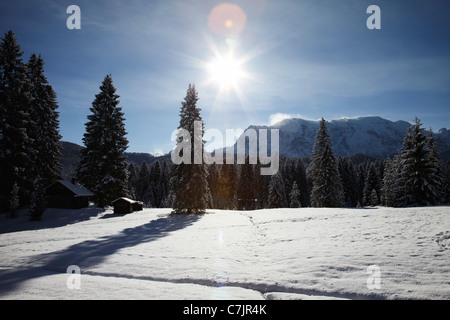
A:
(90, 253)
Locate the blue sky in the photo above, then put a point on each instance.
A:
(304, 58)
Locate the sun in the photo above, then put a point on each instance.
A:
(226, 71)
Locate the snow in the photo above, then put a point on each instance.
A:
(305, 253)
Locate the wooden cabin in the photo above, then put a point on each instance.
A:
(124, 205)
(67, 195)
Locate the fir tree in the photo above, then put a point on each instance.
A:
(132, 180)
(434, 171)
(213, 184)
(16, 151)
(372, 183)
(102, 167)
(327, 185)
(143, 189)
(188, 180)
(45, 131)
(14, 201)
(295, 196)
(277, 192)
(374, 198)
(38, 199)
(417, 178)
(302, 182)
(246, 187)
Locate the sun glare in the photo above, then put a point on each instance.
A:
(226, 71)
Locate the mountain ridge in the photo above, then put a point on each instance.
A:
(372, 135)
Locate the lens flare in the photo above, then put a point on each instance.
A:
(227, 20)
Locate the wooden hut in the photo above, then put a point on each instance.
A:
(125, 205)
(67, 195)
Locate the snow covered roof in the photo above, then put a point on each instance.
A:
(77, 190)
(126, 199)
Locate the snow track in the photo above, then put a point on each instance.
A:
(263, 254)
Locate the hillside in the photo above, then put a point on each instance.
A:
(71, 151)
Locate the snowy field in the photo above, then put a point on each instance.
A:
(265, 254)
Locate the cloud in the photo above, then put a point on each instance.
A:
(277, 117)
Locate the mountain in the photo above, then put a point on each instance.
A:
(371, 136)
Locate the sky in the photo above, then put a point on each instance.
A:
(254, 62)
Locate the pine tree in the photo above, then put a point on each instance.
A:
(132, 180)
(38, 199)
(295, 196)
(188, 180)
(143, 189)
(434, 172)
(45, 131)
(302, 182)
(327, 185)
(277, 192)
(14, 201)
(374, 198)
(372, 183)
(213, 184)
(246, 187)
(102, 167)
(16, 148)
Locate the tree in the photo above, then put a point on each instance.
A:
(14, 201)
(188, 180)
(372, 183)
(418, 178)
(295, 196)
(277, 192)
(38, 199)
(15, 144)
(102, 167)
(327, 185)
(246, 188)
(45, 131)
(302, 182)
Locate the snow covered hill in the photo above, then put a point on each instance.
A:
(369, 253)
(373, 136)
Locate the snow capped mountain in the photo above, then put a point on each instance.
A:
(373, 136)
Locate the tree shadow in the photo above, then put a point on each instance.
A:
(52, 218)
(90, 253)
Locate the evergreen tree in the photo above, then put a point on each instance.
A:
(446, 179)
(226, 193)
(14, 201)
(188, 180)
(295, 196)
(302, 182)
(417, 179)
(132, 180)
(164, 182)
(246, 187)
(434, 171)
(143, 188)
(374, 198)
(45, 131)
(102, 167)
(213, 184)
(327, 185)
(16, 150)
(372, 183)
(38, 199)
(156, 188)
(277, 192)
(387, 187)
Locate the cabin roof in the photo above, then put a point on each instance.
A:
(78, 191)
